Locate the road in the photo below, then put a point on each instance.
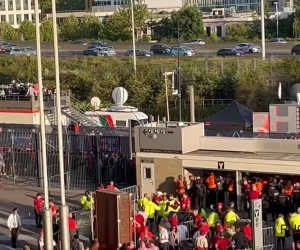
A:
(73, 50)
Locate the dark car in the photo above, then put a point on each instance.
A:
(138, 52)
(296, 50)
(160, 49)
(229, 52)
(89, 52)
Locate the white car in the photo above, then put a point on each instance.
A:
(278, 40)
(248, 48)
(196, 41)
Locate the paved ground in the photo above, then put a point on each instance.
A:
(75, 50)
(22, 197)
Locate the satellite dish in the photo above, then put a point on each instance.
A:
(295, 89)
(120, 96)
(95, 101)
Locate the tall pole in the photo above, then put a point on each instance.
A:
(263, 36)
(178, 71)
(192, 102)
(167, 96)
(133, 36)
(46, 214)
(63, 210)
(277, 30)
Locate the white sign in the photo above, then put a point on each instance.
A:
(257, 223)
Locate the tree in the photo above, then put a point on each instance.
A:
(45, 6)
(90, 27)
(237, 31)
(296, 24)
(7, 32)
(70, 29)
(189, 21)
(47, 30)
(118, 25)
(27, 29)
(70, 5)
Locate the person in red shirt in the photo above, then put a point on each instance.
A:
(185, 203)
(111, 186)
(72, 226)
(253, 194)
(146, 235)
(157, 198)
(197, 219)
(100, 187)
(205, 226)
(38, 207)
(247, 230)
(223, 243)
(219, 227)
(138, 224)
(174, 220)
(213, 240)
(53, 209)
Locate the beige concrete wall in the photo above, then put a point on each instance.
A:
(20, 118)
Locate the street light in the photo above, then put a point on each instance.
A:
(133, 36)
(277, 30)
(47, 216)
(263, 35)
(64, 209)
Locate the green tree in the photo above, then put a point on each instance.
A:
(296, 24)
(90, 27)
(237, 32)
(70, 29)
(45, 6)
(70, 5)
(7, 32)
(189, 21)
(47, 30)
(27, 29)
(118, 25)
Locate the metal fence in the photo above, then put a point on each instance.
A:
(89, 159)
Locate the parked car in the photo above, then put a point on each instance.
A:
(196, 41)
(160, 49)
(182, 51)
(104, 51)
(88, 52)
(7, 46)
(139, 52)
(229, 52)
(278, 40)
(2, 49)
(20, 52)
(248, 48)
(296, 50)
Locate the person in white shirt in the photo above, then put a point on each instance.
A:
(163, 237)
(14, 225)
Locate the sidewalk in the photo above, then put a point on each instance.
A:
(5, 247)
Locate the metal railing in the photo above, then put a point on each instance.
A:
(134, 190)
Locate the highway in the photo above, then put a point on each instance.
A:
(74, 50)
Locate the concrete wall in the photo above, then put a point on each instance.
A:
(158, 4)
(20, 117)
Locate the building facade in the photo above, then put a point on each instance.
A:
(15, 12)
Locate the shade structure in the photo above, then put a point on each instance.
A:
(234, 117)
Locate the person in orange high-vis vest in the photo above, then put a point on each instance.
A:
(212, 189)
(259, 186)
(180, 189)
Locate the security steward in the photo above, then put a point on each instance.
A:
(282, 204)
(212, 189)
(83, 198)
(180, 188)
(273, 195)
(296, 196)
(88, 203)
(280, 232)
(295, 227)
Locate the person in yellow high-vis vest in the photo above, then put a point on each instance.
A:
(280, 232)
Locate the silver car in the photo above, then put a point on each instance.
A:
(22, 52)
(248, 48)
(105, 51)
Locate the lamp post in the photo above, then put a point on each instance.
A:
(263, 36)
(133, 36)
(178, 71)
(46, 214)
(277, 30)
(64, 209)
